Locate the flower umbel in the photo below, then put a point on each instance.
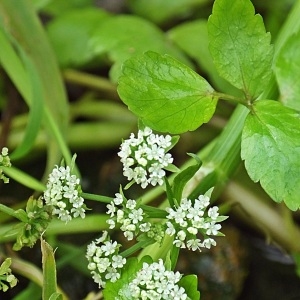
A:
(4, 162)
(105, 263)
(153, 281)
(129, 215)
(145, 157)
(190, 219)
(63, 194)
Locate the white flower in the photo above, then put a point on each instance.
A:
(120, 216)
(111, 209)
(207, 243)
(62, 193)
(136, 215)
(111, 223)
(213, 212)
(128, 235)
(178, 293)
(118, 199)
(104, 262)
(212, 228)
(194, 244)
(118, 261)
(129, 215)
(155, 282)
(202, 202)
(144, 157)
(192, 230)
(170, 230)
(112, 274)
(181, 235)
(145, 227)
(131, 204)
(189, 220)
(109, 247)
(179, 244)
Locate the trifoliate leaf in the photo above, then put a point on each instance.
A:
(287, 72)
(240, 46)
(166, 94)
(271, 150)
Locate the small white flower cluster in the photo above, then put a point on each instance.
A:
(188, 221)
(62, 194)
(144, 157)
(5, 162)
(105, 263)
(155, 282)
(129, 215)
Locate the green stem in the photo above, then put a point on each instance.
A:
(11, 212)
(229, 98)
(261, 216)
(24, 178)
(91, 81)
(136, 247)
(98, 198)
(154, 212)
(92, 223)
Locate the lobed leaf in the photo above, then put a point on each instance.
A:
(240, 46)
(271, 150)
(287, 72)
(166, 94)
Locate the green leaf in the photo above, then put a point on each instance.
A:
(119, 290)
(184, 35)
(70, 35)
(190, 284)
(49, 272)
(13, 66)
(161, 11)
(124, 36)
(287, 72)
(271, 150)
(240, 46)
(35, 113)
(166, 94)
(184, 176)
(169, 192)
(24, 178)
